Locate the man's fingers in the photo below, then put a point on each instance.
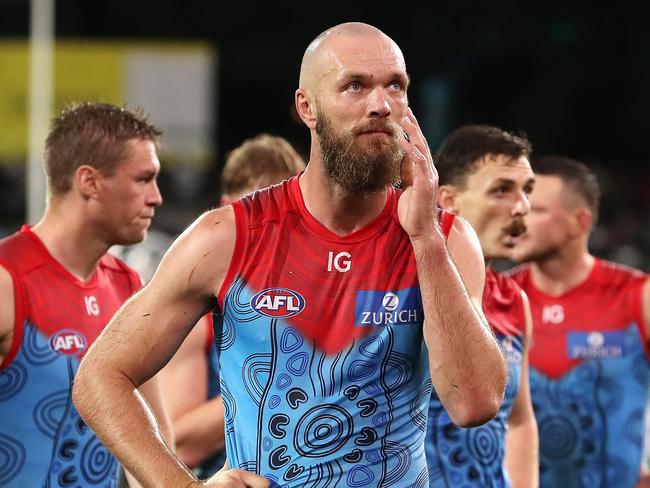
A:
(254, 481)
(238, 478)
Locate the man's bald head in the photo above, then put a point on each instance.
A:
(312, 59)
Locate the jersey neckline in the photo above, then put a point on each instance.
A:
(567, 294)
(315, 226)
(58, 267)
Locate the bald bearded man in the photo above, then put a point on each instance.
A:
(324, 281)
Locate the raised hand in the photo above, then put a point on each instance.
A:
(417, 204)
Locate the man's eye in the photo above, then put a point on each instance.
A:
(354, 86)
(395, 85)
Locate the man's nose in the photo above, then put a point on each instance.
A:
(378, 105)
(154, 197)
(522, 206)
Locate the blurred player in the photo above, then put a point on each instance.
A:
(486, 178)
(190, 381)
(589, 358)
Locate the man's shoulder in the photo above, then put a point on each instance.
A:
(209, 239)
(609, 270)
(20, 253)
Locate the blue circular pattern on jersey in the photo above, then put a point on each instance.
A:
(610, 395)
(37, 348)
(274, 401)
(255, 372)
(401, 454)
(49, 412)
(360, 476)
(403, 366)
(297, 364)
(558, 437)
(373, 456)
(290, 340)
(96, 462)
(267, 443)
(380, 419)
(225, 337)
(12, 458)
(360, 370)
(283, 381)
(634, 427)
(484, 444)
(12, 380)
(372, 347)
(229, 409)
(330, 418)
(241, 307)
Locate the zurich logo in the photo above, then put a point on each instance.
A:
(69, 342)
(278, 302)
(596, 339)
(390, 302)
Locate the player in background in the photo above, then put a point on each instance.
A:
(486, 178)
(190, 381)
(589, 354)
(59, 288)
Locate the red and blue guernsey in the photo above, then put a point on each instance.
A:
(43, 440)
(474, 457)
(589, 378)
(324, 372)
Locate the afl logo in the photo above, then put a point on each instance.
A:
(278, 302)
(68, 342)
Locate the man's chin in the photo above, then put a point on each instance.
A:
(133, 238)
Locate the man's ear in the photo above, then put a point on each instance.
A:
(306, 108)
(584, 220)
(86, 180)
(448, 198)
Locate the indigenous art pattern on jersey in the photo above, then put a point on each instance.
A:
(43, 440)
(324, 373)
(589, 378)
(474, 457)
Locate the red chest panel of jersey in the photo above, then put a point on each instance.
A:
(323, 284)
(606, 303)
(70, 313)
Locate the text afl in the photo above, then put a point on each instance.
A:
(278, 302)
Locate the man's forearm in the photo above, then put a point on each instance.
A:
(102, 398)
(522, 458)
(466, 364)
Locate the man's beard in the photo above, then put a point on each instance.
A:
(357, 169)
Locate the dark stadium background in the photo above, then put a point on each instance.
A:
(575, 76)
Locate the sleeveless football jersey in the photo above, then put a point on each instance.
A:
(589, 378)
(473, 457)
(43, 440)
(324, 372)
